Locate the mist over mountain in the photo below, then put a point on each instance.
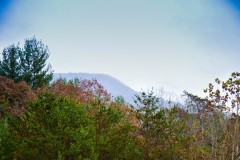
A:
(111, 84)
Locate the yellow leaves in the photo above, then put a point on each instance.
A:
(227, 94)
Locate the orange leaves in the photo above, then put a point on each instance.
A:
(227, 96)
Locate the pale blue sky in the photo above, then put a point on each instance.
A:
(175, 44)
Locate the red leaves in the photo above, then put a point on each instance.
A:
(82, 91)
(93, 88)
(14, 96)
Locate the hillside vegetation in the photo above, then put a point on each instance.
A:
(77, 119)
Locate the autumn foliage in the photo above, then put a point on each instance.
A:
(78, 119)
(82, 91)
(14, 97)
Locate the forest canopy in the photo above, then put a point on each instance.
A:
(78, 119)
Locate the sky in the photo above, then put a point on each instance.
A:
(175, 44)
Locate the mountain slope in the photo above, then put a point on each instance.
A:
(112, 85)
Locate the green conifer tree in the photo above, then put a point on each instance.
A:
(10, 63)
(35, 71)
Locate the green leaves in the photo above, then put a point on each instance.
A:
(10, 64)
(161, 129)
(33, 63)
(6, 140)
(56, 125)
(27, 64)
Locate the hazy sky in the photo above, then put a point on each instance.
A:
(175, 44)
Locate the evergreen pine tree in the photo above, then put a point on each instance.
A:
(10, 63)
(33, 63)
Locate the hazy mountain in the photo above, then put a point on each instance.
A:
(112, 85)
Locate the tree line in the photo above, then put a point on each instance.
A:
(77, 119)
(27, 64)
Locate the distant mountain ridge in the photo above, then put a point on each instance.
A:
(111, 84)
